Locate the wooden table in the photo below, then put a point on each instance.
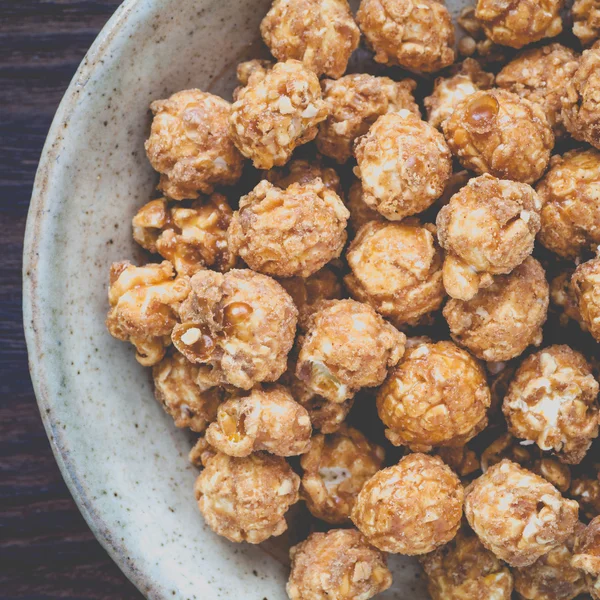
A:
(46, 549)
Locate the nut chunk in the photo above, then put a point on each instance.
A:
(587, 556)
(322, 35)
(552, 401)
(268, 419)
(143, 307)
(189, 144)
(403, 164)
(348, 346)
(411, 508)
(335, 469)
(291, 232)
(504, 318)
(586, 285)
(415, 35)
(436, 396)
(191, 237)
(498, 132)
(337, 565)
(465, 570)
(354, 103)
(397, 269)
(586, 20)
(276, 112)
(488, 228)
(245, 499)
(241, 324)
(518, 515)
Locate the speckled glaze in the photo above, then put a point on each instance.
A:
(122, 458)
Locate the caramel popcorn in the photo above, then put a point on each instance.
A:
(303, 171)
(411, 508)
(189, 144)
(360, 212)
(586, 490)
(348, 346)
(586, 285)
(497, 132)
(354, 103)
(201, 453)
(553, 471)
(247, 69)
(276, 112)
(241, 325)
(143, 307)
(476, 43)
(586, 20)
(245, 499)
(403, 163)
(586, 556)
(339, 565)
(335, 469)
(518, 515)
(563, 297)
(488, 228)
(461, 459)
(415, 35)
(291, 232)
(322, 35)
(504, 318)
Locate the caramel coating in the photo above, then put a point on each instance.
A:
(504, 318)
(396, 268)
(415, 35)
(354, 103)
(303, 171)
(518, 515)
(586, 555)
(245, 499)
(348, 346)
(240, 324)
(335, 469)
(497, 132)
(436, 396)
(465, 570)
(337, 565)
(201, 453)
(563, 298)
(586, 490)
(488, 228)
(411, 508)
(143, 307)
(290, 232)
(586, 20)
(476, 43)
(403, 163)
(586, 285)
(246, 69)
(276, 112)
(360, 212)
(461, 459)
(189, 144)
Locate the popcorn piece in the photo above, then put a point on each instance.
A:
(476, 43)
(403, 164)
(586, 285)
(335, 469)
(348, 346)
(276, 112)
(497, 132)
(504, 318)
(340, 565)
(586, 490)
(360, 212)
(586, 556)
(291, 232)
(255, 67)
(240, 324)
(189, 144)
(201, 453)
(553, 471)
(563, 297)
(518, 515)
(411, 508)
(461, 459)
(396, 268)
(586, 20)
(245, 499)
(302, 171)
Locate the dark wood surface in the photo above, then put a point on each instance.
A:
(46, 548)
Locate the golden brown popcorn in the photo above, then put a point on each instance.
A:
(397, 269)
(586, 20)
(415, 35)
(143, 307)
(255, 67)
(348, 346)
(335, 469)
(322, 35)
(563, 298)
(241, 325)
(488, 228)
(403, 163)
(354, 103)
(586, 490)
(461, 459)
(201, 453)
(289, 232)
(411, 508)
(497, 132)
(586, 285)
(504, 318)
(554, 471)
(518, 515)
(303, 171)
(245, 499)
(189, 144)
(436, 396)
(276, 112)
(586, 556)
(476, 43)
(338, 565)
(360, 212)
(465, 570)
